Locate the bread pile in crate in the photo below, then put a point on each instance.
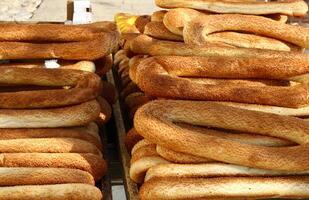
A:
(50, 147)
(230, 116)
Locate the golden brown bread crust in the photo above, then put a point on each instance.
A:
(85, 50)
(250, 41)
(175, 19)
(177, 157)
(69, 42)
(133, 63)
(15, 176)
(141, 22)
(297, 112)
(85, 86)
(47, 145)
(91, 163)
(52, 32)
(120, 55)
(153, 79)
(144, 158)
(51, 192)
(103, 65)
(124, 74)
(210, 170)
(139, 168)
(106, 111)
(131, 139)
(81, 65)
(109, 27)
(225, 188)
(286, 7)
(243, 137)
(234, 68)
(125, 40)
(159, 31)
(144, 151)
(93, 129)
(156, 120)
(146, 45)
(73, 132)
(123, 65)
(197, 31)
(246, 138)
(158, 16)
(103, 25)
(136, 99)
(77, 115)
(140, 144)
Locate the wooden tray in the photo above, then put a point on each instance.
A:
(122, 126)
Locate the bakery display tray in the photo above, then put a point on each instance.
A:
(122, 124)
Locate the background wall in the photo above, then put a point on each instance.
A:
(106, 9)
(55, 10)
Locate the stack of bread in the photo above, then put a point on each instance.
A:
(50, 144)
(236, 125)
(131, 96)
(75, 47)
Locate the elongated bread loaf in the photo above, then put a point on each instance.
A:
(158, 16)
(175, 19)
(62, 87)
(149, 46)
(141, 22)
(81, 65)
(14, 176)
(139, 168)
(197, 31)
(85, 50)
(157, 118)
(287, 7)
(210, 170)
(298, 112)
(48, 32)
(77, 115)
(177, 157)
(81, 133)
(158, 30)
(145, 151)
(225, 188)
(91, 128)
(47, 145)
(150, 74)
(51, 192)
(140, 144)
(91, 163)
